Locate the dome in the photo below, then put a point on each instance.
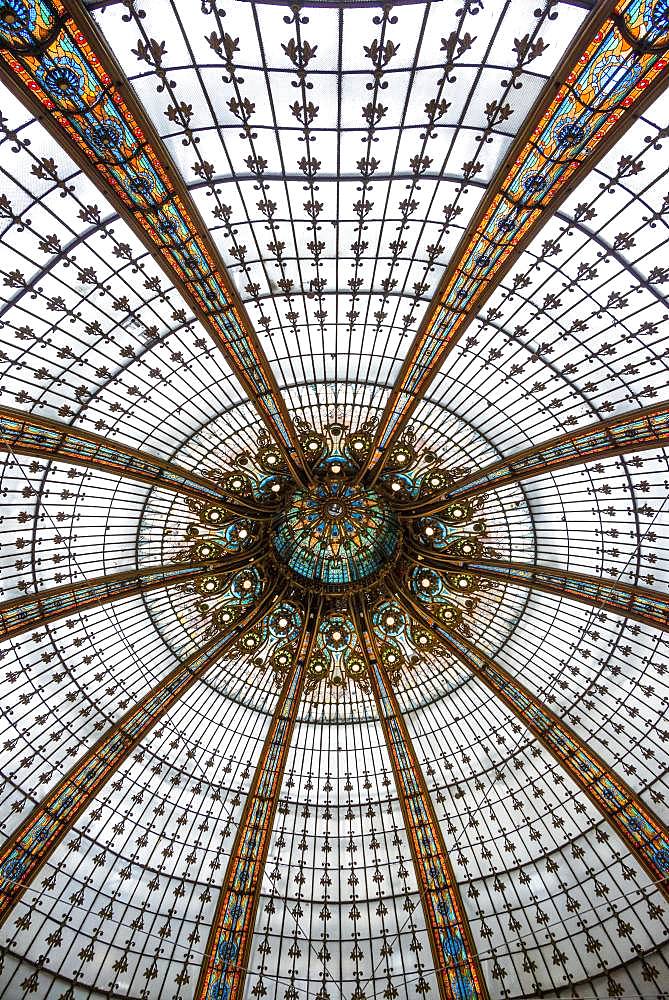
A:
(336, 535)
(334, 437)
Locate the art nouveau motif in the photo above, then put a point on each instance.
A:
(22, 856)
(71, 76)
(601, 83)
(223, 972)
(643, 832)
(27, 434)
(20, 614)
(339, 789)
(337, 535)
(636, 431)
(642, 604)
(454, 958)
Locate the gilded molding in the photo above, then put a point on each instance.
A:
(58, 64)
(32, 844)
(643, 833)
(223, 973)
(637, 430)
(41, 437)
(651, 607)
(616, 65)
(456, 965)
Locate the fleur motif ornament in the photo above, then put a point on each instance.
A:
(336, 539)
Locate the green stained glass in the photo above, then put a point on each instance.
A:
(336, 535)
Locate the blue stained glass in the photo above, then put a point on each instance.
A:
(335, 534)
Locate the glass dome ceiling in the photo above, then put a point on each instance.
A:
(425, 244)
(336, 535)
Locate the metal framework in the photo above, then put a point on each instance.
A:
(563, 139)
(27, 434)
(620, 435)
(59, 65)
(651, 607)
(35, 840)
(226, 956)
(455, 960)
(23, 614)
(646, 837)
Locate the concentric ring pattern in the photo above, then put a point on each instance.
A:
(336, 535)
(334, 438)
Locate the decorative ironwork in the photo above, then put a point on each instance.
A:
(56, 61)
(446, 581)
(37, 837)
(226, 955)
(337, 655)
(458, 971)
(21, 614)
(27, 434)
(610, 73)
(640, 603)
(621, 435)
(646, 837)
(311, 509)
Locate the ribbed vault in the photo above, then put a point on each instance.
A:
(482, 814)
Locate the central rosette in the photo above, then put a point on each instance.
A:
(335, 536)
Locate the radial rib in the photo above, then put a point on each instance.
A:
(223, 973)
(33, 843)
(651, 607)
(456, 965)
(23, 614)
(643, 833)
(637, 430)
(59, 65)
(27, 434)
(578, 117)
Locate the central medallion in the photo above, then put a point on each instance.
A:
(336, 536)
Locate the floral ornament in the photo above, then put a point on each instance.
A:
(215, 535)
(338, 539)
(338, 656)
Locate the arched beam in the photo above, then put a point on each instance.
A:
(643, 833)
(32, 844)
(225, 966)
(650, 607)
(93, 113)
(33, 611)
(579, 115)
(635, 431)
(455, 962)
(41, 437)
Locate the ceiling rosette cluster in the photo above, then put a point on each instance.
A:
(334, 431)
